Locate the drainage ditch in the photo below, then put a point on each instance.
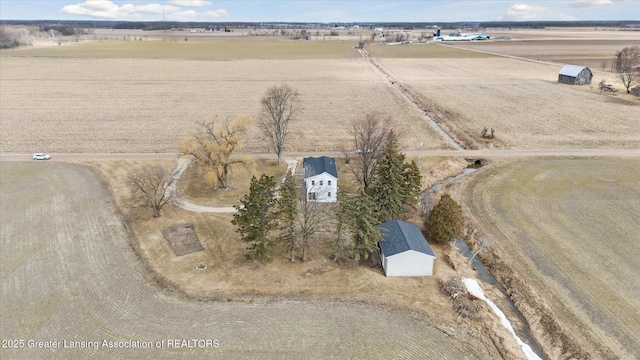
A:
(521, 328)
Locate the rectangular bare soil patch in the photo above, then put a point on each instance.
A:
(182, 239)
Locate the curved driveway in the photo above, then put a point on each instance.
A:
(68, 275)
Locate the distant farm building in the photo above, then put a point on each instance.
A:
(404, 251)
(575, 75)
(461, 37)
(321, 178)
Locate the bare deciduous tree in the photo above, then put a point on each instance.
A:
(279, 106)
(627, 66)
(151, 187)
(312, 218)
(369, 136)
(213, 145)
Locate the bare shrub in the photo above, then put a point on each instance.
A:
(465, 305)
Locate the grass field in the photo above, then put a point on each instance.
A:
(218, 50)
(422, 51)
(571, 227)
(193, 185)
(590, 53)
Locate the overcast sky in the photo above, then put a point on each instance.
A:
(320, 11)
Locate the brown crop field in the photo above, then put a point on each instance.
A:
(98, 104)
(521, 100)
(571, 227)
(229, 49)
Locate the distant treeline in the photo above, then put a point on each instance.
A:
(66, 26)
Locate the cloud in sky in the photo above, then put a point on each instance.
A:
(321, 11)
(217, 13)
(106, 9)
(525, 12)
(589, 3)
(190, 3)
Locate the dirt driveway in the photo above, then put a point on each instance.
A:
(69, 277)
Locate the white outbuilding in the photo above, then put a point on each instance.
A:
(404, 251)
(321, 178)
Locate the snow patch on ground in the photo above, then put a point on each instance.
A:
(474, 289)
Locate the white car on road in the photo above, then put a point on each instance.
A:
(41, 156)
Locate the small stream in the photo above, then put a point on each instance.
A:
(522, 329)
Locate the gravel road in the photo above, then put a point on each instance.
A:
(70, 277)
(430, 153)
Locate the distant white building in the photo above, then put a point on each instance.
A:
(321, 178)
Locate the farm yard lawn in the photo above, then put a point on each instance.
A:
(193, 185)
(69, 273)
(571, 227)
(522, 101)
(96, 105)
(229, 274)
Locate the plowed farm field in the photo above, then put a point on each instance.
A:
(572, 228)
(521, 100)
(105, 104)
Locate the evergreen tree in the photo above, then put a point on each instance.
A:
(445, 222)
(394, 182)
(288, 213)
(412, 182)
(387, 184)
(256, 218)
(357, 213)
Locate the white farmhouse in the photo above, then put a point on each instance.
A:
(404, 251)
(321, 179)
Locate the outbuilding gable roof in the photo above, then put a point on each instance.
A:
(572, 70)
(315, 166)
(400, 236)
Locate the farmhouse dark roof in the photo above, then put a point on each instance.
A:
(572, 70)
(315, 166)
(400, 236)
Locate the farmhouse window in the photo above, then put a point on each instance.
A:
(320, 182)
(329, 183)
(313, 182)
(312, 196)
(329, 194)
